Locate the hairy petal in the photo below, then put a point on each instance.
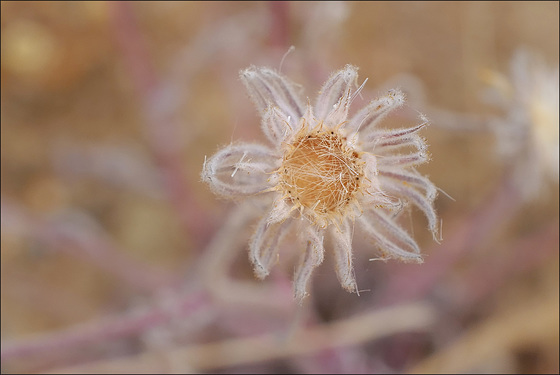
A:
(311, 258)
(393, 138)
(409, 193)
(308, 120)
(263, 246)
(373, 194)
(392, 240)
(374, 112)
(407, 160)
(276, 126)
(239, 169)
(411, 140)
(339, 112)
(337, 86)
(281, 211)
(267, 87)
(411, 177)
(342, 242)
(370, 167)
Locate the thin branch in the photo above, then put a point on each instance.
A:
(239, 351)
(522, 326)
(78, 235)
(105, 330)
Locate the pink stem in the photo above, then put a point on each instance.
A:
(88, 245)
(103, 331)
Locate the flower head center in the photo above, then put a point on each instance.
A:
(320, 172)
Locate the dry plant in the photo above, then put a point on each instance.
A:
(116, 257)
(332, 171)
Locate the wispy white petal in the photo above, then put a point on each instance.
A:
(281, 211)
(263, 247)
(392, 240)
(342, 243)
(267, 87)
(339, 112)
(375, 111)
(370, 167)
(276, 126)
(411, 177)
(393, 138)
(376, 198)
(311, 258)
(406, 160)
(411, 194)
(410, 140)
(239, 169)
(337, 86)
(308, 120)
(373, 194)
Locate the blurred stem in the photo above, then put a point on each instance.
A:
(90, 244)
(516, 327)
(412, 282)
(102, 331)
(162, 130)
(211, 270)
(358, 329)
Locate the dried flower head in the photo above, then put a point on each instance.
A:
(527, 137)
(325, 173)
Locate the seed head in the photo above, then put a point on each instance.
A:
(328, 170)
(320, 174)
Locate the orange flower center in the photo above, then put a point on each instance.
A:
(321, 172)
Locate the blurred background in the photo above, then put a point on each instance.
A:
(116, 258)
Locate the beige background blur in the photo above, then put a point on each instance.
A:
(75, 138)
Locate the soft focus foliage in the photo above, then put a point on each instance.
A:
(116, 257)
